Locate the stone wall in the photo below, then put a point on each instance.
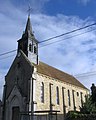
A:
(60, 107)
(19, 73)
(17, 86)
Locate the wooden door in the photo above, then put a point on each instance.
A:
(15, 113)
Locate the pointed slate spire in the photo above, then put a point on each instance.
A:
(28, 26)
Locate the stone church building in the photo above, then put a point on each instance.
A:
(33, 88)
(0, 110)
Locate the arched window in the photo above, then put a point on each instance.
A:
(42, 92)
(69, 102)
(81, 98)
(57, 95)
(30, 47)
(35, 49)
(77, 93)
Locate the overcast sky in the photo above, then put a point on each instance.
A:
(49, 18)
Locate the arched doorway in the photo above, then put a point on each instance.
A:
(15, 113)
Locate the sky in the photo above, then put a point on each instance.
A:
(49, 18)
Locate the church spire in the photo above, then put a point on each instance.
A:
(28, 43)
(28, 26)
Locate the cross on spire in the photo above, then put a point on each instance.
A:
(29, 10)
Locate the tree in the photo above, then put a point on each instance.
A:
(90, 105)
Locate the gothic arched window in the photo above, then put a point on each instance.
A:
(81, 98)
(77, 93)
(30, 47)
(42, 92)
(57, 95)
(69, 102)
(35, 49)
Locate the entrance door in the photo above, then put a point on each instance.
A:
(15, 113)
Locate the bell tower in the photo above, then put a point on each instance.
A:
(28, 44)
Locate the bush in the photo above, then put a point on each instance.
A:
(71, 115)
(79, 116)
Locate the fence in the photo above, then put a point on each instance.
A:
(39, 115)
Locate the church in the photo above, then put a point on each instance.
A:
(34, 90)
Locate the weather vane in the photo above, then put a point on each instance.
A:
(29, 10)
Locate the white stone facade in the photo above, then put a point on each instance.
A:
(46, 105)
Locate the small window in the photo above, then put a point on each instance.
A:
(30, 47)
(69, 102)
(77, 94)
(57, 95)
(42, 92)
(81, 98)
(35, 49)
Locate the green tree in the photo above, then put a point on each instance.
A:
(88, 107)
